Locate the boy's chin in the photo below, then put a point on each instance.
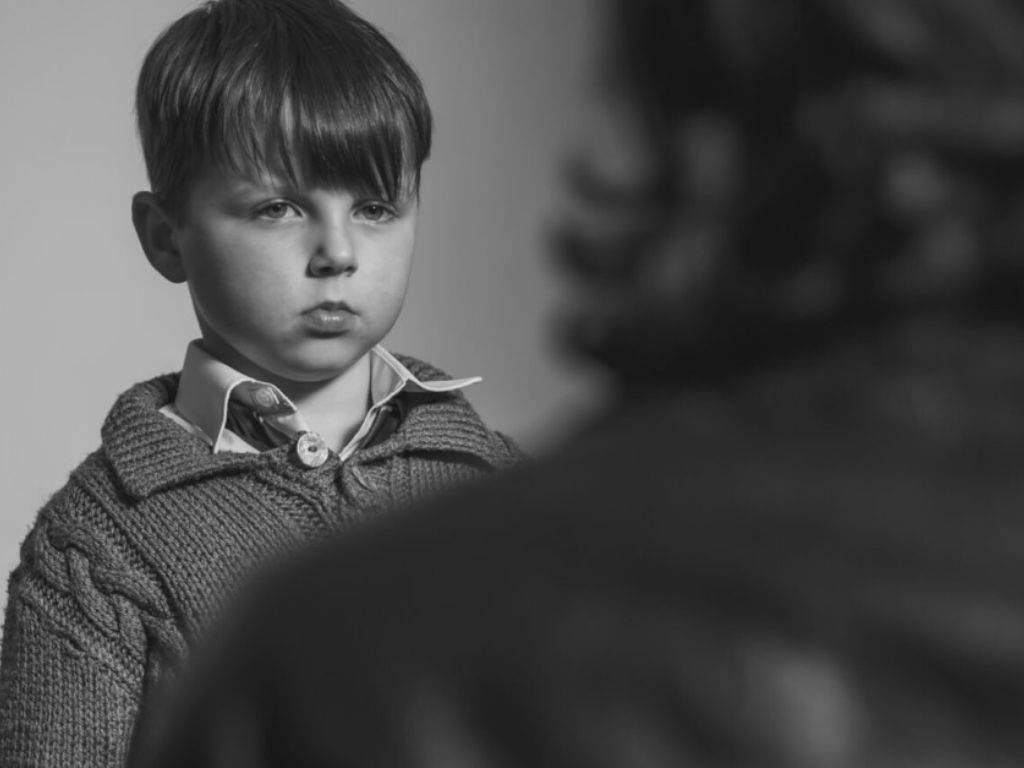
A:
(318, 369)
(300, 362)
(308, 370)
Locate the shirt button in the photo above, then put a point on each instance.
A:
(312, 450)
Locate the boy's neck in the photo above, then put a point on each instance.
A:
(334, 409)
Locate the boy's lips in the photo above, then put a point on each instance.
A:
(332, 306)
(330, 318)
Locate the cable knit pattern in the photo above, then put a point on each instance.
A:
(128, 563)
(126, 609)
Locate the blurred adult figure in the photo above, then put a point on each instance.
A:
(797, 242)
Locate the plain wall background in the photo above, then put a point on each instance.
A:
(83, 316)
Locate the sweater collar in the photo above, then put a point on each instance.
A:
(150, 453)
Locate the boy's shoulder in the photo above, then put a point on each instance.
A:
(132, 429)
(147, 451)
(143, 452)
(448, 422)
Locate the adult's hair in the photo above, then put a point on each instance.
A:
(303, 88)
(804, 172)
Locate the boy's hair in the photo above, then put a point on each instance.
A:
(304, 88)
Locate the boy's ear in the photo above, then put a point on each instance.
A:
(156, 236)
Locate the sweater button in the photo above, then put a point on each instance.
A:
(312, 450)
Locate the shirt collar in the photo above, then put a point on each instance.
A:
(207, 385)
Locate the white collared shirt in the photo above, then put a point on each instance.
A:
(207, 385)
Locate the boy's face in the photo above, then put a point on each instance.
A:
(290, 282)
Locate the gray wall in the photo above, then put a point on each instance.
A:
(82, 315)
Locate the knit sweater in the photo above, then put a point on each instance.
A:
(128, 563)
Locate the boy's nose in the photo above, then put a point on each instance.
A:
(334, 253)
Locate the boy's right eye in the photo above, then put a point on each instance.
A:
(277, 210)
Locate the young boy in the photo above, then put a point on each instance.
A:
(284, 141)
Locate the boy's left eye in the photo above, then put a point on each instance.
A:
(376, 212)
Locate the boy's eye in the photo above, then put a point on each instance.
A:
(376, 212)
(278, 210)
